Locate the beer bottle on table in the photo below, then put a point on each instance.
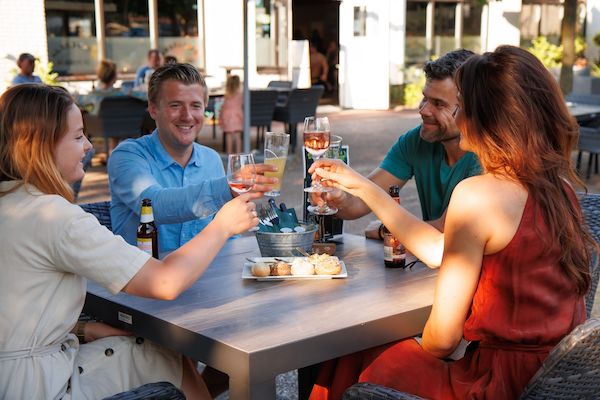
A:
(394, 253)
(147, 234)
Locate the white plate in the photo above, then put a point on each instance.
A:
(247, 271)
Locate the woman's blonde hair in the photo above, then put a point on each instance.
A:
(33, 118)
(232, 85)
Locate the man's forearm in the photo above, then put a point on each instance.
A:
(352, 208)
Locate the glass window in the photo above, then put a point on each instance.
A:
(360, 21)
(271, 33)
(178, 31)
(127, 33)
(71, 31)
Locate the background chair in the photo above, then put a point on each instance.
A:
(101, 210)
(154, 391)
(118, 117)
(262, 108)
(572, 369)
(301, 103)
(283, 87)
(589, 141)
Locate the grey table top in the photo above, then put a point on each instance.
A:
(255, 330)
(582, 110)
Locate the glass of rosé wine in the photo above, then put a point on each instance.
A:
(241, 172)
(317, 137)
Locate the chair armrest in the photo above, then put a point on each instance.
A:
(369, 391)
(156, 391)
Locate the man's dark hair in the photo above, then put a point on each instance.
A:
(25, 56)
(184, 73)
(445, 66)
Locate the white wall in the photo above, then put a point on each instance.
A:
(500, 24)
(364, 75)
(224, 29)
(22, 30)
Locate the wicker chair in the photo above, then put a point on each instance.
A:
(151, 391)
(571, 370)
(100, 210)
(159, 390)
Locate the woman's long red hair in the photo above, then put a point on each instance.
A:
(519, 126)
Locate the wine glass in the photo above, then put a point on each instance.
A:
(241, 172)
(317, 136)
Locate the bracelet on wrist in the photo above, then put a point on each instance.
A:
(80, 330)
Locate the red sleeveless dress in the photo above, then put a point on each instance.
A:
(523, 306)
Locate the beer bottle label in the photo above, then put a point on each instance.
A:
(145, 244)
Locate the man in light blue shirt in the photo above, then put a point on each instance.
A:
(26, 64)
(154, 61)
(185, 180)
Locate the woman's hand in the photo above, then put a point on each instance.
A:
(99, 330)
(334, 173)
(238, 215)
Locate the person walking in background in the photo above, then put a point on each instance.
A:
(26, 64)
(155, 60)
(231, 116)
(514, 253)
(50, 246)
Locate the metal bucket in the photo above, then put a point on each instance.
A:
(273, 244)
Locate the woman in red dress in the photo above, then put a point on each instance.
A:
(513, 256)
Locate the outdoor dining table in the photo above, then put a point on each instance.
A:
(583, 111)
(255, 330)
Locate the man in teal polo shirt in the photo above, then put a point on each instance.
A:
(430, 152)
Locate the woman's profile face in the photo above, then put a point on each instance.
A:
(72, 147)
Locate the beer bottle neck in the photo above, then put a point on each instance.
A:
(147, 215)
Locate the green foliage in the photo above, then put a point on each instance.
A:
(45, 72)
(413, 90)
(595, 70)
(549, 54)
(596, 39)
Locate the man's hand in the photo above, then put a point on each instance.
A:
(445, 118)
(263, 183)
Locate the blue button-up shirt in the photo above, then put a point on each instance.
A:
(184, 200)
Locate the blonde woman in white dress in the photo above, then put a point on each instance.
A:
(49, 248)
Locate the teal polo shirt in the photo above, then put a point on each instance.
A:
(412, 156)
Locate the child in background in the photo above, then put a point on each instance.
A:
(231, 117)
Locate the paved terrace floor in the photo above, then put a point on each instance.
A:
(369, 135)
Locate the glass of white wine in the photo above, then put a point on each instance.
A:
(241, 172)
(276, 151)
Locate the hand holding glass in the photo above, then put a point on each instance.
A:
(241, 172)
(317, 136)
(276, 151)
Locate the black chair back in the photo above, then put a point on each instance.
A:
(280, 85)
(583, 98)
(262, 107)
(118, 117)
(301, 103)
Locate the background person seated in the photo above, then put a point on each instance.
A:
(155, 60)
(26, 64)
(107, 76)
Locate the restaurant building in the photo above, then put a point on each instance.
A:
(378, 40)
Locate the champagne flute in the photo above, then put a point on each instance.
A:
(317, 136)
(241, 172)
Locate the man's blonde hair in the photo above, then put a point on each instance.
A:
(33, 118)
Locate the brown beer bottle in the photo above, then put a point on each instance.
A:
(147, 234)
(394, 253)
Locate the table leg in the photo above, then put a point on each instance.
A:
(241, 389)
(306, 379)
